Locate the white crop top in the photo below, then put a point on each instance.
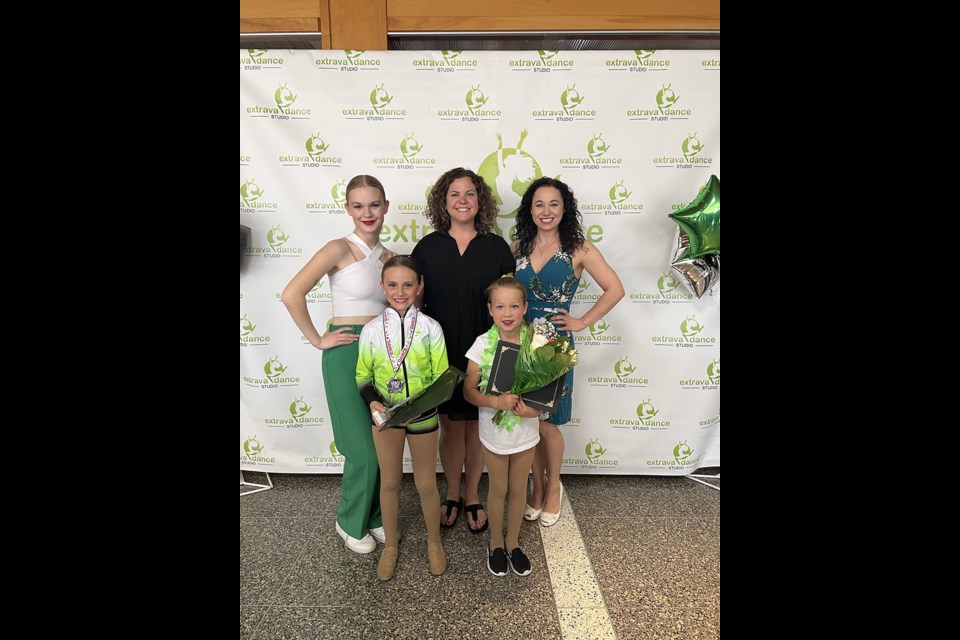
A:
(355, 289)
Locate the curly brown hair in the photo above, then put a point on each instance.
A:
(437, 202)
(570, 227)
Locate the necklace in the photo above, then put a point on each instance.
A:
(541, 248)
(395, 384)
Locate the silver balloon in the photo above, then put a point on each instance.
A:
(700, 274)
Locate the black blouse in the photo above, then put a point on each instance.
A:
(453, 294)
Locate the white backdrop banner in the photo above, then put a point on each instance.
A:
(634, 133)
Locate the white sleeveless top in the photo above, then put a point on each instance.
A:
(355, 289)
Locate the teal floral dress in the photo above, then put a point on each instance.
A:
(552, 288)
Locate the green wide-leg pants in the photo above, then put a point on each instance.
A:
(360, 486)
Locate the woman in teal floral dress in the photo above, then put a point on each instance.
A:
(551, 255)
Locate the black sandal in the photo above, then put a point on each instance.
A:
(473, 508)
(450, 504)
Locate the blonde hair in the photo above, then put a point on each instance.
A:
(506, 282)
(365, 181)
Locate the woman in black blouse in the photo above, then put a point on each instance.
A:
(459, 259)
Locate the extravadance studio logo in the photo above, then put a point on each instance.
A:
(338, 196)
(691, 331)
(379, 100)
(570, 99)
(509, 171)
(284, 98)
(546, 62)
(600, 334)
(251, 451)
(250, 198)
(666, 100)
(335, 459)
(277, 246)
(666, 292)
(594, 456)
(682, 458)
(597, 149)
(692, 149)
(351, 60)
(622, 377)
(710, 383)
(409, 158)
(247, 327)
(257, 59)
(476, 101)
(273, 371)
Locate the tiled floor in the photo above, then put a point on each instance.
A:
(633, 557)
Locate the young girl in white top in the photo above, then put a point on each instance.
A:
(507, 448)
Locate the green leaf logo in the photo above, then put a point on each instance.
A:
(584, 284)
(250, 192)
(682, 451)
(409, 147)
(298, 409)
(353, 54)
(643, 54)
(273, 368)
(570, 98)
(691, 146)
(666, 283)
(335, 452)
(623, 368)
(596, 147)
(666, 98)
(508, 172)
(598, 328)
(256, 53)
(276, 237)
(713, 372)
(339, 192)
(379, 98)
(619, 194)
(451, 54)
(690, 327)
(547, 54)
(646, 411)
(594, 450)
(475, 98)
(316, 146)
(284, 97)
(246, 327)
(251, 447)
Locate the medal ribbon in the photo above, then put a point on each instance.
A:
(386, 334)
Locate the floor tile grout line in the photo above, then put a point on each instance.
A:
(286, 577)
(573, 553)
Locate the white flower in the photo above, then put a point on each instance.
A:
(538, 340)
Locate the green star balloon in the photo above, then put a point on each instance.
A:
(700, 220)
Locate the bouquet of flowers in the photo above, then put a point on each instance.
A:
(544, 356)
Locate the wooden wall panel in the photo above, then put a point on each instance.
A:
(363, 24)
(279, 8)
(576, 24)
(358, 25)
(567, 15)
(262, 25)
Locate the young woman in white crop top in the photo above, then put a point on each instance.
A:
(353, 266)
